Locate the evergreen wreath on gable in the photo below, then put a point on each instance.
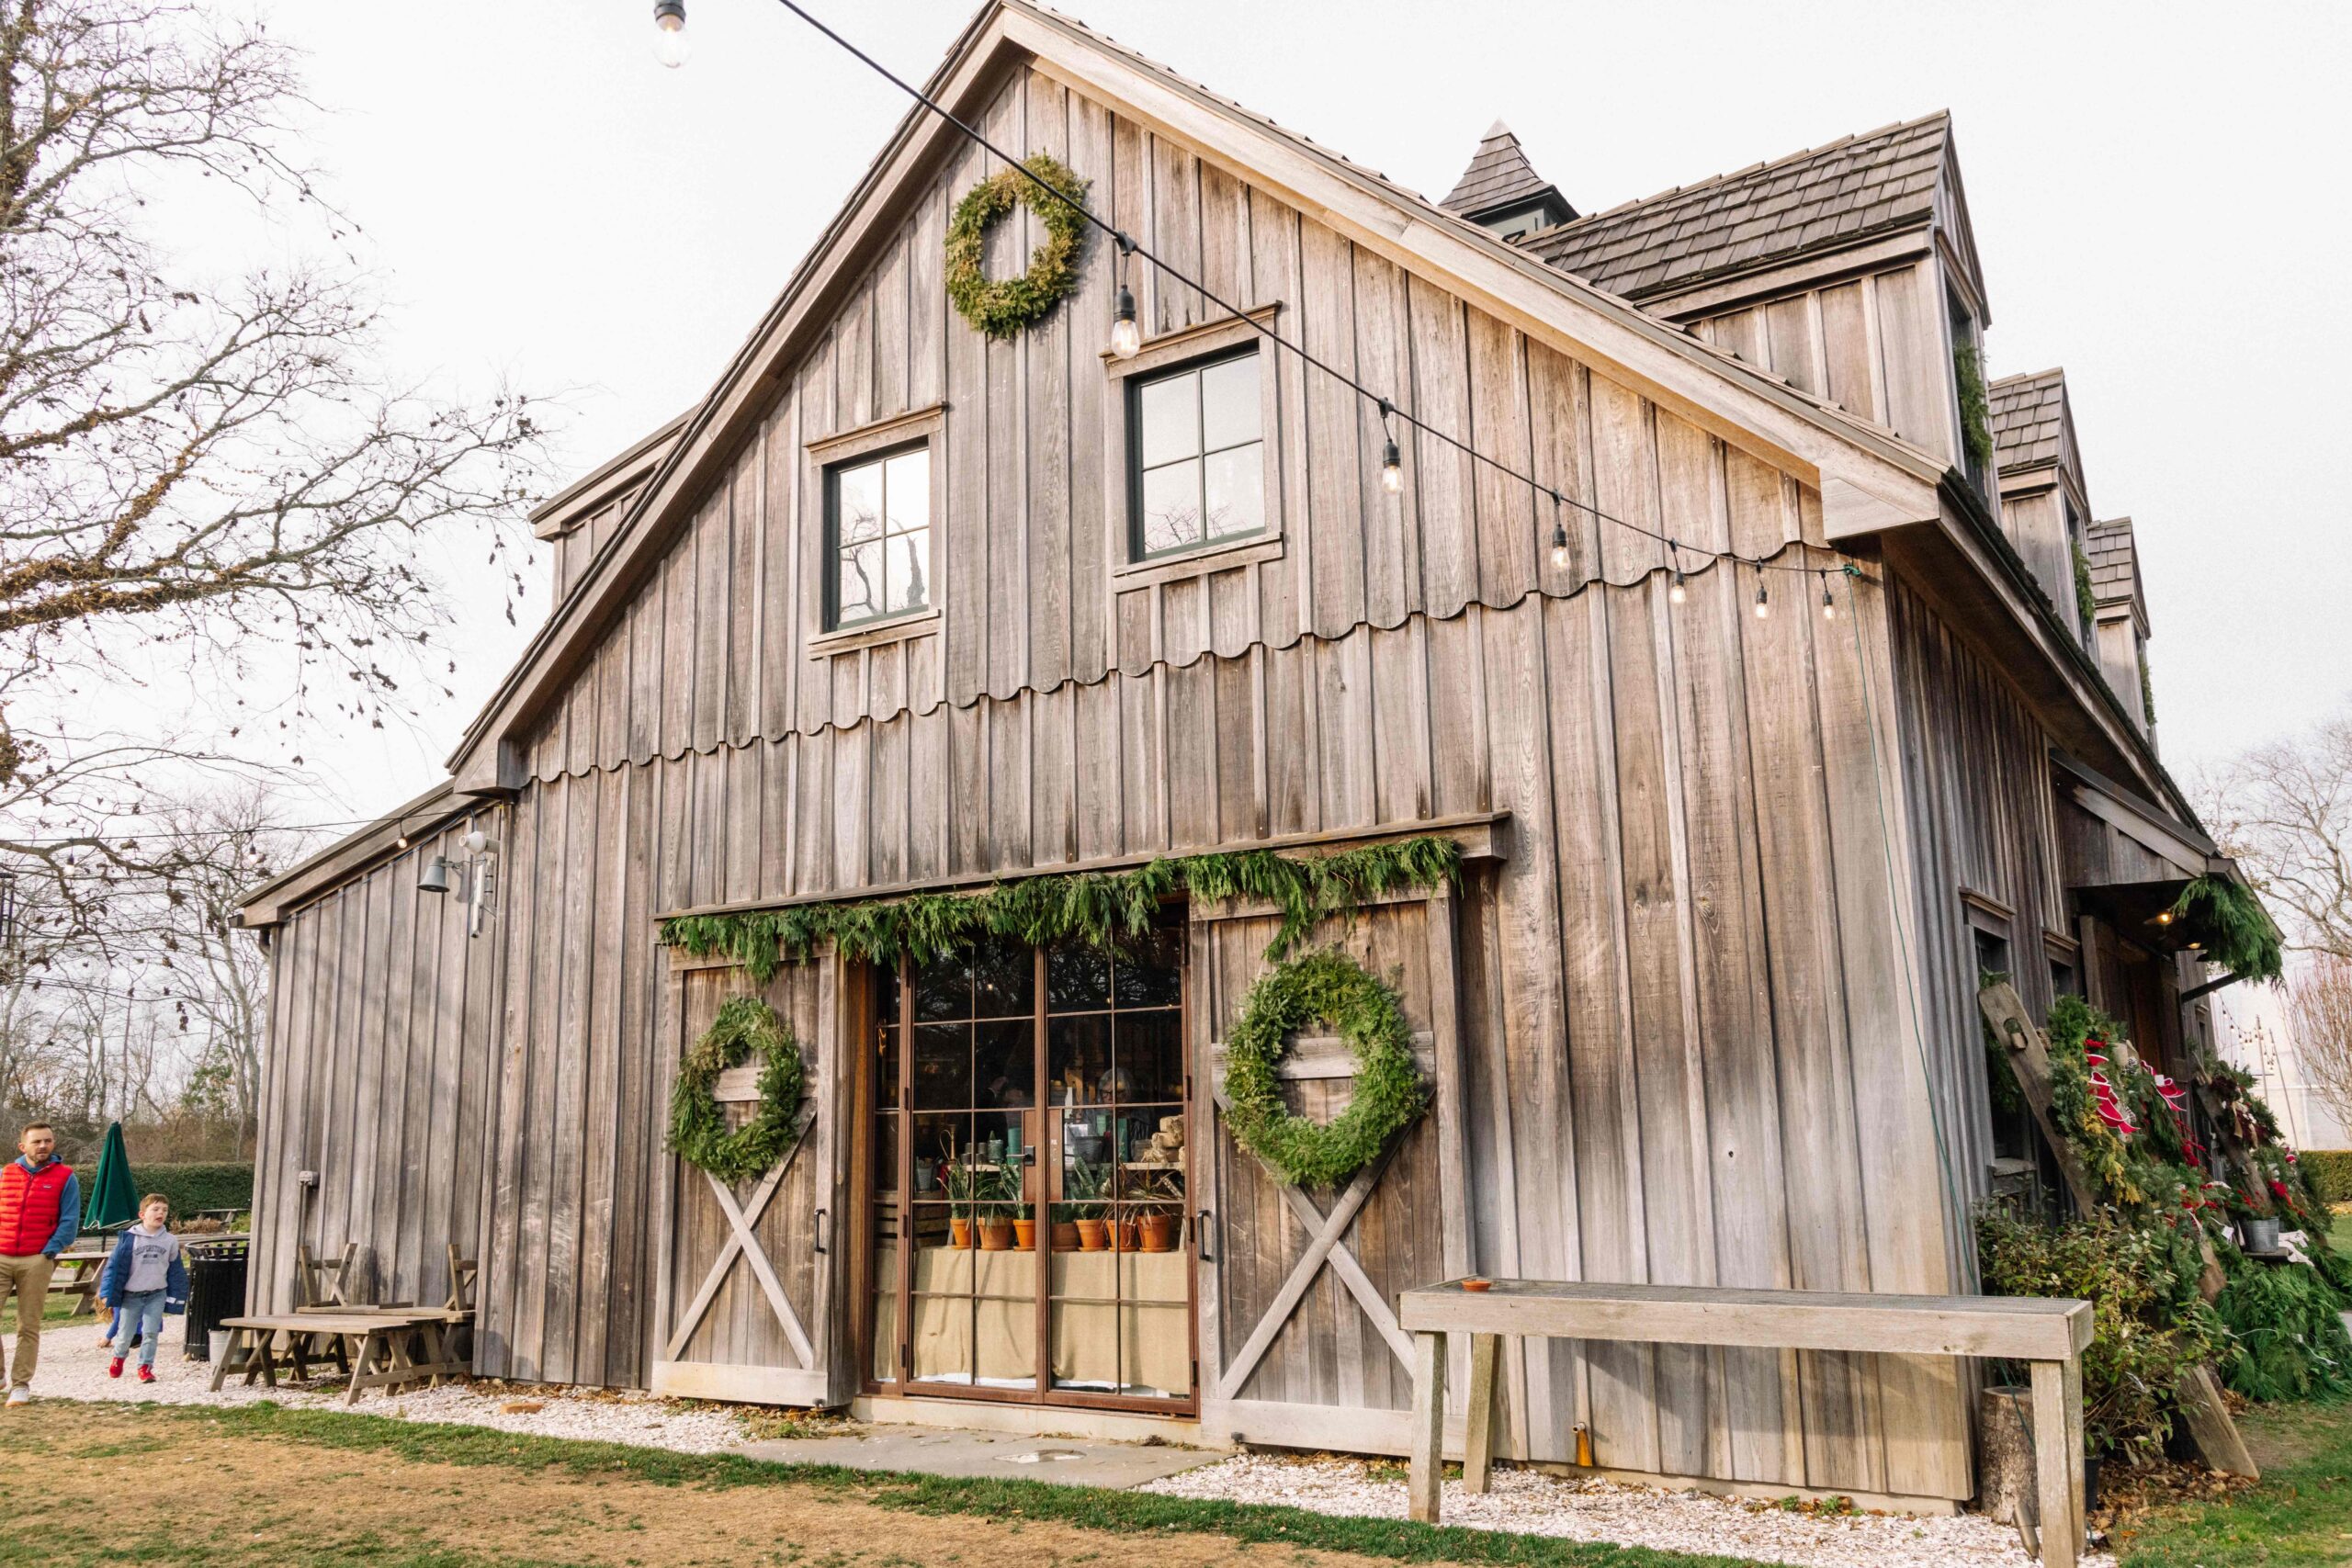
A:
(698, 1132)
(1389, 1094)
(999, 309)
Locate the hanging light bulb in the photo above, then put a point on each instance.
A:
(1125, 336)
(1392, 462)
(1828, 608)
(1677, 593)
(670, 45)
(1560, 536)
(1763, 605)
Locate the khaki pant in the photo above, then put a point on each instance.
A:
(27, 1279)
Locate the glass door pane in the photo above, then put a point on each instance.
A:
(1120, 1305)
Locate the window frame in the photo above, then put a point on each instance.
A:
(1189, 348)
(825, 460)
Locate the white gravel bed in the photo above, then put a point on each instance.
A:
(72, 1367)
(1530, 1502)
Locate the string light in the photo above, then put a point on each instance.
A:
(1125, 336)
(670, 45)
(1677, 593)
(1763, 605)
(1559, 534)
(1828, 609)
(1392, 462)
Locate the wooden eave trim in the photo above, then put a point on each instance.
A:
(1485, 836)
(1852, 257)
(268, 904)
(1711, 389)
(2180, 842)
(1785, 428)
(588, 494)
(834, 449)
(1986, 904)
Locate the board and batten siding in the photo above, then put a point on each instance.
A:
(1685, 1008)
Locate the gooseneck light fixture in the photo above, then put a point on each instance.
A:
(670, 45)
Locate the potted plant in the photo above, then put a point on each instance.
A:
(1156, 1227)
(1085, 1182)
(962, 1190)
(1025, 1217)
(1066, 1227)
(996, 1220)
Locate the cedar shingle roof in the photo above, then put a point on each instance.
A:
(1827, 196)
(2115, 561)
(2028, 418)
(1498, 176)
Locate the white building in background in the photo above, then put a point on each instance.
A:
(2254, 1034)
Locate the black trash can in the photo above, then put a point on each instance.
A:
(216, 1289)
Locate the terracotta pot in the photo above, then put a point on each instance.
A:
(1064, 1236)
(1159, 1233)
(1093, 1236)
(1024, 1236)
(959, 1233)
(1130, 1235)
(996, 1236)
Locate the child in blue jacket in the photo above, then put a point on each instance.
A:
(144, 1278)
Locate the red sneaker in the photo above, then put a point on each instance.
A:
(146, 1373)
(114, 1367)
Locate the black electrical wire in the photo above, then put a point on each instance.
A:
(1129, 246)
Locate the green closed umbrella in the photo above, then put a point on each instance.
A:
(114, 1196)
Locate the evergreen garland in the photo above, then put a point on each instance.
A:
(1001, 309)
(1388, 1089)
(2244, 938)
(1975, 412)
(1099, 909)
(698, 1132)
(2086, 596)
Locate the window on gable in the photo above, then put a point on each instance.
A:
(877, 538)
(1196, 455)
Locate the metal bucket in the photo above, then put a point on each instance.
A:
(218, 1342)
(2258, 1235)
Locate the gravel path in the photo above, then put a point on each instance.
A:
(1533, 1503)
(72, 1367)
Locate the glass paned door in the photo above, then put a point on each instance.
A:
(1030, 1235)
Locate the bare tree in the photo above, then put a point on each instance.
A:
(2285, 810)
(191, 471)
(2319, 1016)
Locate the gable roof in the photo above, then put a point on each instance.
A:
(2033, 428)
(1825, 196)
(1500, 176)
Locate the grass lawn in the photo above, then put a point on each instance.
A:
(2302, 1513)
(260, 1486)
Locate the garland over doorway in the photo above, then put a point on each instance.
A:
(1099, 909)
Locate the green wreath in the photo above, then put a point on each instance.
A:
(1002, 309)
(1388, 1089)
(698, 1132)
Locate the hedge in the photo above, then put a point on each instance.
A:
(2330, 1173)
(229, 1185)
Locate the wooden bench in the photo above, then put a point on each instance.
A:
(2049, 1334)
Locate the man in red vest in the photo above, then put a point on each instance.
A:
(40, 1214)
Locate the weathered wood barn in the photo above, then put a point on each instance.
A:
(901, 607)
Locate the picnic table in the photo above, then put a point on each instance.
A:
(77, 1275)
(378, 1346)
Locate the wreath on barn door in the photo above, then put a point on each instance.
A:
(1001, 309)
(1388, 1091)
(698, 1132)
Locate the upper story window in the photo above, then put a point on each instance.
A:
(1196, 465)
(1975, 420)
(877, 538)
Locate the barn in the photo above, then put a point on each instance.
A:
(1698, 672)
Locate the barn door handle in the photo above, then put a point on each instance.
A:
(820, 1230)
(1201, 1235)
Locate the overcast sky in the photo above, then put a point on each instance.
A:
(2158, 195)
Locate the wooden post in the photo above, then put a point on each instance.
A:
(2210, 1427)
(1428, 1425)
(1478, 1434)
(2058, 1458)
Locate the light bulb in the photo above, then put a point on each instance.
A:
(1392, 467)
(1828, 608)
(1763, 605)
(1125, 337)
(670, 45)
(1560, 546)
(1677, 593)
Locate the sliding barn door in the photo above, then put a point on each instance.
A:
(1299, 1341)
(750, 1277)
